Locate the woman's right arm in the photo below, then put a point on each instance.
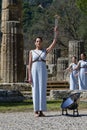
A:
(29, 67)
(77, 67)
(68, 68)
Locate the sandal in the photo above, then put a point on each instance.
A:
(41, 114)
(36, 114)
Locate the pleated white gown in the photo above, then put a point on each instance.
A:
(39, 80)
(82, 75)
(73, 79)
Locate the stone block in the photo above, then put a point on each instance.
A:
(60, 94)
(11, 96)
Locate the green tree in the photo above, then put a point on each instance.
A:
(38, 20)
(70, 18)
(27, 15)
(72, 23)
(82, 4)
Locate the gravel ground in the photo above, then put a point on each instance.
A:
(52, 121)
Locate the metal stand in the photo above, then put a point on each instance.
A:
(75, 112)
(71, 103)
(64, 110)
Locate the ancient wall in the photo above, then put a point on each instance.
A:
(62, 64)
(75, 49)
(12, 64)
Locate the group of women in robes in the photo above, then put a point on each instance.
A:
(78, 73)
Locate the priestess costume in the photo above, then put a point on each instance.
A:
(39, 79)
(73, 79)
(82, 75)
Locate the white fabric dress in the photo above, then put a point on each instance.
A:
(39, 79)
(73, 79)
(82, 75)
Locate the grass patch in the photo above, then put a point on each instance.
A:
(27, 105)
(54, 105)
(82, 105)
(16, 106)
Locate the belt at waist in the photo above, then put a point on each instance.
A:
(38, 61)
(83, 67)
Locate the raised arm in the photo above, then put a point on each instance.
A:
(54, 41)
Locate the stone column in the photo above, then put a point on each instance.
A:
(75, 49)
(12, 64)
(62, 64)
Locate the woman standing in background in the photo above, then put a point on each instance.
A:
(73, 74)
(82, 75)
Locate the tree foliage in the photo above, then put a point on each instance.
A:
(70, 18)
(36, 20)
(39, 19)
(82, 4)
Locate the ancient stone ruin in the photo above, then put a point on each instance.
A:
(12, 64)
(75, 48)
(11, 61)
